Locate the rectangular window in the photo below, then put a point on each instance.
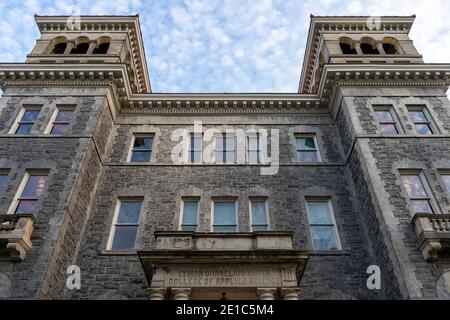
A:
(446, 179)
(421, 119)
(419, 198)
(189, 215)
(254, 149)
(126, 224)
(259, 216)
(195, 149)
(141, 150)
(386, 121)
(26, 120)
(225, 149)
(322, 225)
(29, 193)
(307, 150)
(3, 178)
(61, 120)
(224, 219)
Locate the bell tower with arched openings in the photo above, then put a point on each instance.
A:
(356, 40)
(93, 40)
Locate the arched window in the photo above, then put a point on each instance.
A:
(59, 48)
(390, 45)
(368, 46)
(346, 45)
(103, 44)
(59, 45)
(81, 46)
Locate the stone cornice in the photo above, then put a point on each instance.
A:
(129, 24)
(344, 24)
(115, 76)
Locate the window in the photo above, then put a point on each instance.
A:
(386, 121)
(26, 120)
(225, 149)
(195, 149)
(421, 120)
(445, 178)
(347, 49)
(59, 48)
(3, 178)
(307, 149)
(367, 48)
(224, 219)
(141, 150)
(253, 149)
(322, 225)
(189, 215)
(389, 48)
(61, 120)
(29, 193)
(102, 48)
(259, 216)
(124, 231)
(419, 198)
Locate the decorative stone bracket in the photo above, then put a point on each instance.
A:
(433, 232)
(15, 234)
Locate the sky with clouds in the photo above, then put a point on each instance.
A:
(229, 45)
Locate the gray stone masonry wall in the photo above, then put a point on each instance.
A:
(375, 165)
(74, 168)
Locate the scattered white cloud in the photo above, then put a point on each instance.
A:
(225, 46)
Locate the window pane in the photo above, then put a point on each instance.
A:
(26, 206)
(143, 143)
(306, 144)
(423, 129)
(446, 179)
(24, 128)
(219, 156)
(422, 206)
(253, 143)
(219, 144)
(413, 186)
(64, 116)
(388, 129)
(323, 238)
(224, 228)
(383, 116)
(124, 237)
(141, 156)
(188, 228)
(3, 178)
(319, 213)
(230, 143)
(260, 228)
(224, 213)
(229, 156)
(196, 157)
(59, 128)
(30, 115)
(253, 156)
(129, 212)
(259, 212)
(196, 143)
(418, 116)
(34, 187)
(306, 156)
(190, 212)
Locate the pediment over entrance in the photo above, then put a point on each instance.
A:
(187, 265)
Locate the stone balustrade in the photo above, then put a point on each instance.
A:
(15, 234)
(433, 232)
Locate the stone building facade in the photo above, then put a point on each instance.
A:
(306, 196)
